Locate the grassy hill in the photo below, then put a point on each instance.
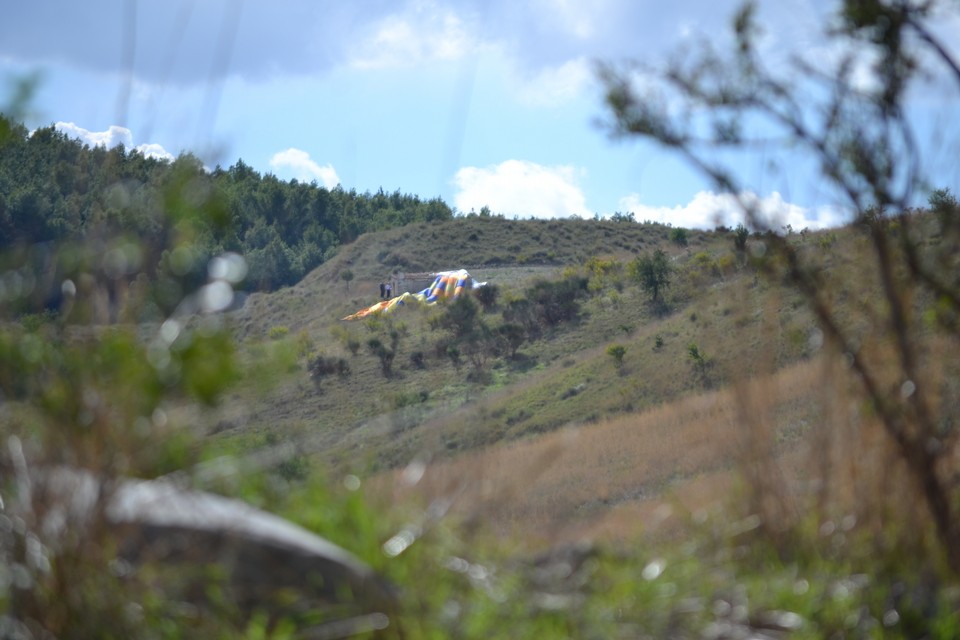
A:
(433, 409)
(722, 331)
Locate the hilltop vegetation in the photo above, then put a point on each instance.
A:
(57, 189)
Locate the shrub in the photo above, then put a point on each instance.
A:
(410, 398)
(827, 240)
(726, 264)
(305, 344)
(384, 354)
(702, 260)
(557, 301)
(294, 468)
(678, 236)
(604, 272)
(320, 367)
(522, 311)
(276, 333)
(353, 345)
(700, 361)
(512, 336)
(460, 317)
(453, 353)
(418, 359)
(343, 335)
(617, 352)
(487, 296)
(740, 235)
(347, 276)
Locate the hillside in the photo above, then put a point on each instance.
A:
(511, 250)
(563, 378)
(465, 421)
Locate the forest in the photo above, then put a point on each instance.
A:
(54, 188)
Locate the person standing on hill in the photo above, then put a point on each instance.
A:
(389, 290)
(382, 289)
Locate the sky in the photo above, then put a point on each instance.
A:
(490, 103)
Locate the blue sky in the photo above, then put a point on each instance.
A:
(480, 102)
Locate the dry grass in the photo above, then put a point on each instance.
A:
(606, 479)
(783, 447)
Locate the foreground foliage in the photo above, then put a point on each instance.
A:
(863, 138)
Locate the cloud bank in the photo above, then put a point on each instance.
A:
(708, 210)
(111, 138)
(520, 188)
(298, 163)
(186, 42)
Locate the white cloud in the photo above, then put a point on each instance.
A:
(557, 85)
(155, 151)
(113, 136)
(524, 189)
(708, 210)
(110, 138)
(576, 19)
(303, 168)
(421, 36)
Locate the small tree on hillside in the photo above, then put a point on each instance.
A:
(346, 275)
(740, 235)
(512, 336)
(487, 296)
(652, 272)
(321, 367)
(461, 316)
(678, 236)
(384, 354)
(617, 352)
(699, 361)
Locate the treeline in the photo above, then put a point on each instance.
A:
(55, 188)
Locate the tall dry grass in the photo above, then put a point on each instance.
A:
(560, 484)
(797, 448)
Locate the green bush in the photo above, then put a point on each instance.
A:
(617, 352)
(304, 344)
(384, 354)
(740, 236)
(276, 333)
(512, 336)
(418, 359)
(678, 236)
(557, 301)
(320, 367)
(652, 272)
(487, 296)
